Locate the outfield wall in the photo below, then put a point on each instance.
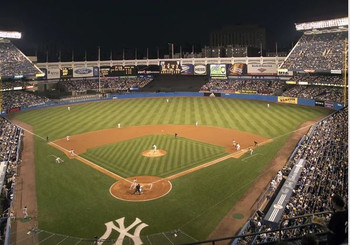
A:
(268, 98)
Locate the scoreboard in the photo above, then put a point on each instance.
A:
(170, 67)
(119, 70)
(66, 72)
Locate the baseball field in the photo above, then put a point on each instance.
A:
(190, 182)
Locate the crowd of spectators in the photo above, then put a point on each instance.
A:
(9, 85)
(325, 151)
(13, 62)
(115, 83)
(9, 147)
(267, 87)
(319, 79)
(318, 51)
(14, 99)
(331, 94)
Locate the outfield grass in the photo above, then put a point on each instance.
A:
(74, 199)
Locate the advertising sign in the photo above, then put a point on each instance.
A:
(53, 73)
(236, 69)
(289, 100)
(95, 71)
(83, 72)
(262, 69)
(200, 70)
(319, 103)
(218, 70)
(276, 210)
(187, 69)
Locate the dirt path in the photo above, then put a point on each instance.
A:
(25, 193)
(246, 205)
(213, 135)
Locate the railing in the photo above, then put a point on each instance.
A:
(280, 231)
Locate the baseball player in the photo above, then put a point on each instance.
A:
(67, 137)
(238, 147)
(119, 125)
(154, 148)
(25, 212)
(133, 184)
(138, 189)
(268, 105)
(234, 143)
(167, 100)
(197, 123)
(71, 152)
(68, 108)
(251, 151)
(59, 160)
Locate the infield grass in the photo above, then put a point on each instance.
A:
(125, 159)
(74, 199)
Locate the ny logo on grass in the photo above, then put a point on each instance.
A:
(124, 231)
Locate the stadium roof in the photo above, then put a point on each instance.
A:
(340, 22)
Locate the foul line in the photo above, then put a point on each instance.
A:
(83, 160)
(251, 156)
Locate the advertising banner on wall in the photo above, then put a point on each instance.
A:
(236, 69)
(289, 100)
(262, 69)
(187, 69)
(83, 72)
(200, 70)
(319, 103)
(218, 70)
(53, 73)
(44, 77)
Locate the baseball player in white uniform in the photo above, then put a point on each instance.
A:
(251, 151)
(59, 160)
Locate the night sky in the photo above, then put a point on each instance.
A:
(83, 25)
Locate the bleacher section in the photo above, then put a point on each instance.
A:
(318, 51)
(13, 62)
(245, 86)
(175, 83)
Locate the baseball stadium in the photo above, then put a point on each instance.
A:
(212, 150)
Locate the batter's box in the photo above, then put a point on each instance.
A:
(146, 186)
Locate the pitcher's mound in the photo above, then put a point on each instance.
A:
(152, 188)
(152, 153)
